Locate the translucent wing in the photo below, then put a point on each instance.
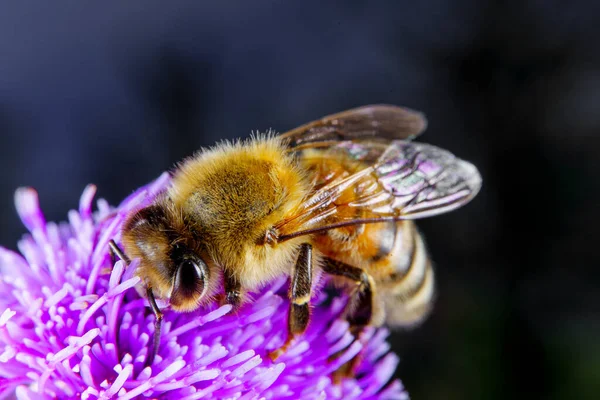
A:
(373, 121)
(399, 180)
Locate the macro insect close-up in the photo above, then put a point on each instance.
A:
(337, 195)
(174, 228)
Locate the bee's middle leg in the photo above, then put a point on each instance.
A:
(358, 312)
(300, 294)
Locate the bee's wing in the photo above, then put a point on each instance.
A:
(373, 121)
(406, 180)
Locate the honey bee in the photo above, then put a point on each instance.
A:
(337, 195)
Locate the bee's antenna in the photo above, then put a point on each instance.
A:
(157, 325)
(115, 250)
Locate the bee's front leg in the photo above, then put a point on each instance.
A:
(300, 294)
(233, 290)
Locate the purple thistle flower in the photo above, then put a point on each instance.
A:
(73, 326)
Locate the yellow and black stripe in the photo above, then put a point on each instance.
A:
(408, 290)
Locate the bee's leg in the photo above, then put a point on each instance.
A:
(300, 293)
(233, 292)
(116, 250)
(358, 311)
(157, 326)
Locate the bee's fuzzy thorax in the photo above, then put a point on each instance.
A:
(234, 192)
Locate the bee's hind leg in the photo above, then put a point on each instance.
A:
(358, 312)
(300, 294)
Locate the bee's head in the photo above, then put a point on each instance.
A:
(171, 262)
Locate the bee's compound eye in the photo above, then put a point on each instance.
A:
(189, 283)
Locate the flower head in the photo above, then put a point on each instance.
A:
(73, 326)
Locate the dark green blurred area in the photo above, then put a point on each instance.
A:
(116, 94)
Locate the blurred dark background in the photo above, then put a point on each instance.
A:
(116, 94)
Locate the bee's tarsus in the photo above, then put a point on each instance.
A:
(358, 312)
(360, 307)
(347, 370)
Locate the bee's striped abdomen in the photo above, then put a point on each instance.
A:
(387, 242)
(406, 281)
